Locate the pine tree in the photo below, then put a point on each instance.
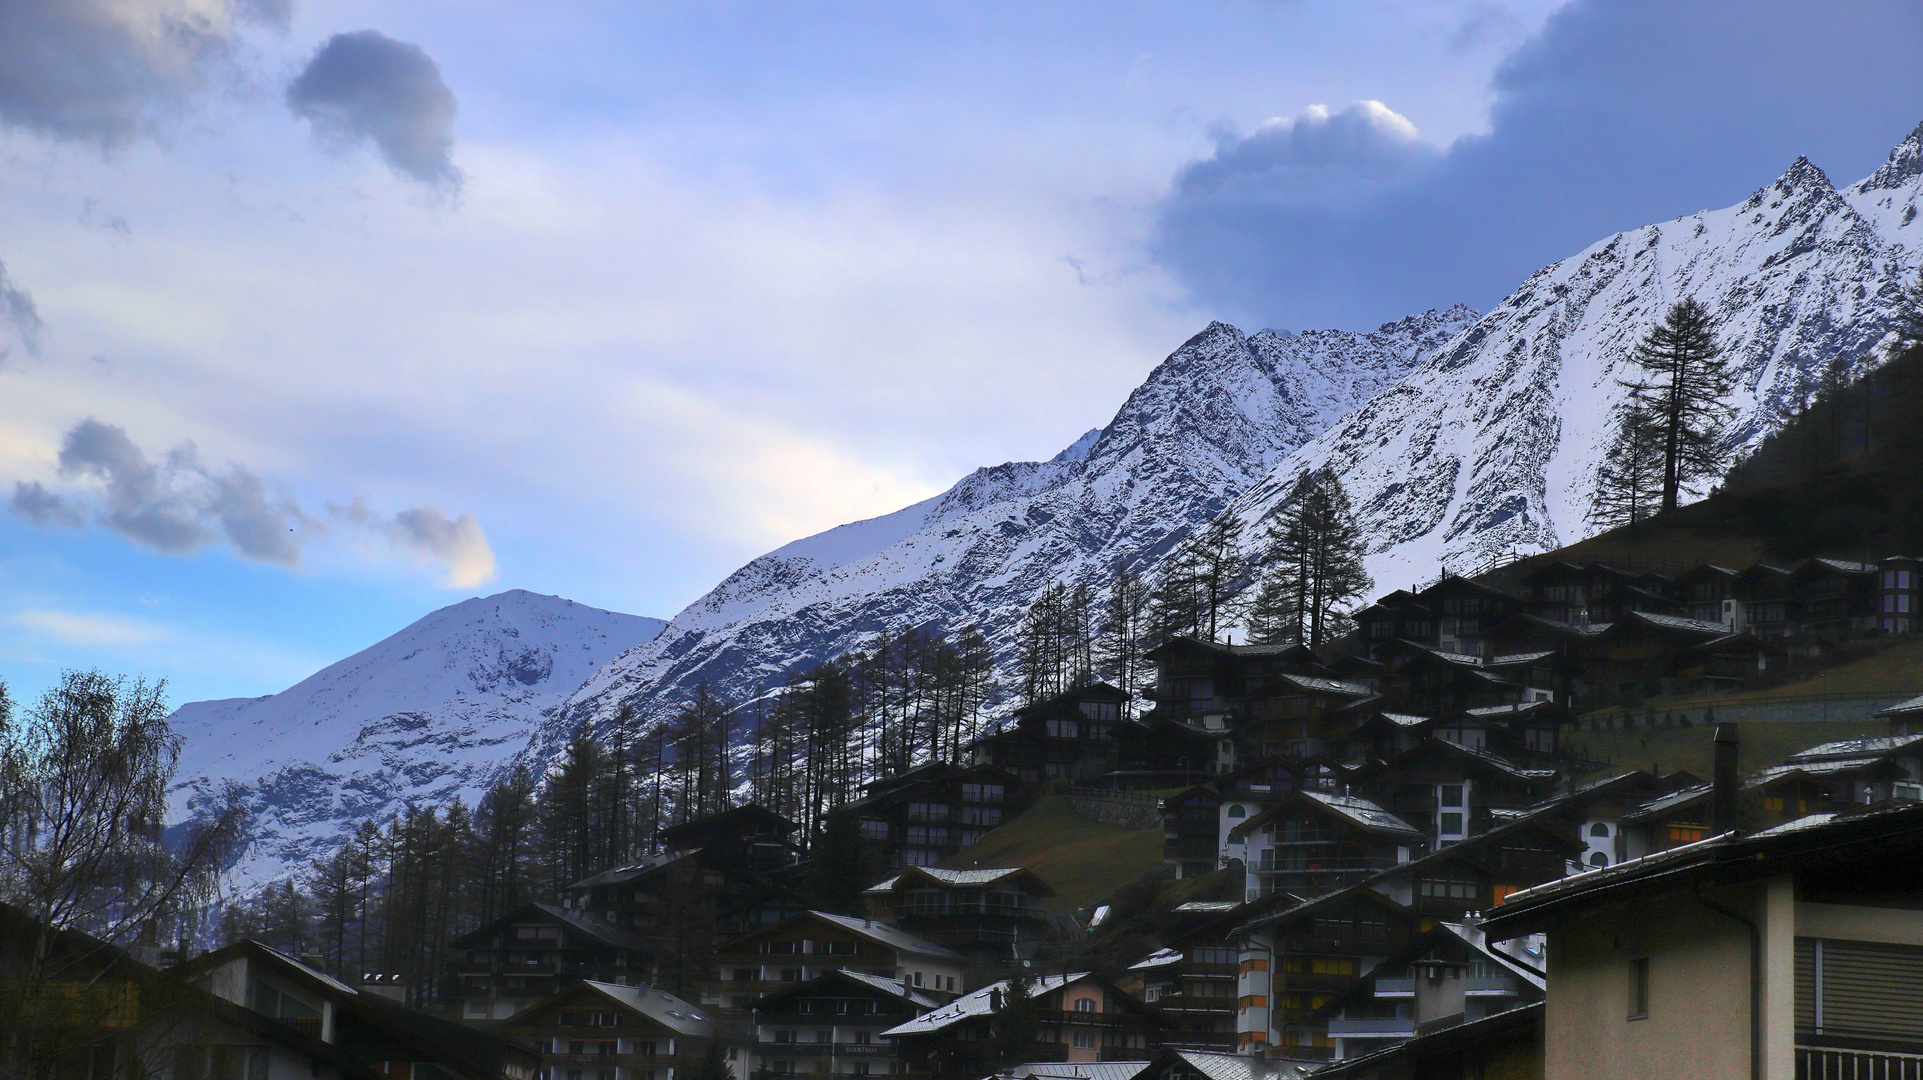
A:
(1682, 397)
(1313, 566)
(1212, 560)
(1118, 650)
(1909, 319)
(1629, 482)
(1017, 1028)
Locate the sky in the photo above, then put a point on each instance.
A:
(319, 316)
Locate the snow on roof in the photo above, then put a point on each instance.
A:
(1519, 658)
(976, 1004)
(313, 973)
(1328, 686)
(1223, 1066)
(1670, 801)
(660, 1006)
(882, 887)
(1914, 704)
(1807, 768)
(896, 987)
(1362, 812)
(1405, 719)
(1158, 958)
(1875, 746)
(1473, 937)
(1208, 906)
(967, 877)
(1677, 622)
(888, 935)
(1076, 1070)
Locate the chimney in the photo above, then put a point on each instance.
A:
(1723, 791)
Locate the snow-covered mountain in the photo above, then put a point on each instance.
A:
(1209, 420)
(432, 712)
(1490, 446)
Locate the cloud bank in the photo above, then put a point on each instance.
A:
(365, 87)
(1613, 115)
(17, 311)
(107, 71)
(177, 504)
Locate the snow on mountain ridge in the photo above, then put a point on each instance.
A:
(1489, 448)
(429, 713)
(1207, 422)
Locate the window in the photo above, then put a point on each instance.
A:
(1502, 893)
(1084, 1040)
(220, 1063)
(1639, 989)
(874, 830)
(1084, 1004)
(1451, 795)
(1064, 729)
(982, 793)
(1449, 824)
(1687, 834)
(1598, 860)
(924, 811)
(931, 835)
(1448, 889)
(537, 933)
(981, 815)
(1101, 710)
(1212, 954)
(1599, 829)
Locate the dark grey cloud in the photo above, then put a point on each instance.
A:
(1617, 113)
(42, 507)
(368, 87)
(17, 311)
(107, 71)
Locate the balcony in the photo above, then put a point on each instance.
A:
(952, 908)
(1824, 1063)
(1395, 988)
(1391, 1027)
(1489, 986)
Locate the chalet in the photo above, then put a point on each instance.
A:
(1713, 594)
(1193, 982)
(1529, 731)
(1838, 598)
(1450, 974)
(750, 835)
(1789, 952)
(379, 1033)
(1386, 734)
(536, 951)
(1162, 752)
(1905, 717)
(702, 891)
(1506, 1044)
(832, 1025)
(1648, 654)
(1196, 679)
(1313, 842)
(601, 1031)
(1904, 751)
(1772, 611)
(1427, 681)
(794, 951)
(929, 813)
(1482, 871)
(1464, 612)
(1299, 716)
(1070, 736)
(1671, 820)
(1294, 961)
(1581, 594)
(1191, 821)
(1899, 594)
(992, 917)
(1198, 819)
(1399, 616)
(1595, 811)
(101, 1012)
(1450, 791)
(1082, 1018)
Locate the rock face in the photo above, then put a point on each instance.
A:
(1209, 421)
(432, 712)
(1490, 447)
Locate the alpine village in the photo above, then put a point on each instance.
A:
(1650, 805)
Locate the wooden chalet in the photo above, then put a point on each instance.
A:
(1193, 980)
(1196, 679)
(381, 1034)
(1082, 1018)
(832, 1025)
(1449, 975)
(1295, 960)
(1070, 737)
(1161, 752)
(603, 1031)
(1899, 594)
(1481, 871)
(780, 957)
(1449, 791)
(927, 814)
(536, 951)
(701, 891)
(992, 917)
(751, 835)
(1313, 842)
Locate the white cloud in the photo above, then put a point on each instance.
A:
(78, 628)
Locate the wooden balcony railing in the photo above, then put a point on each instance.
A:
(1824, 1063)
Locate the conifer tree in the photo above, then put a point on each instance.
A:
(1681, 396)
(1314, 564)
(1118, 651)
(1629, 482)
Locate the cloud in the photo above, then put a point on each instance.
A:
(177, 504)
(91, 630)
(365, 86)
(106, 71)
(17, 311)
(427, 534)
(41, 507)
(1613, 115)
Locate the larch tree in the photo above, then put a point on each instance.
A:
(1313, 565)
(1681, 395)
(1212, 561)
(1629, 481)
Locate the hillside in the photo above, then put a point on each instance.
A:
(1689, 748)
(1081, 858)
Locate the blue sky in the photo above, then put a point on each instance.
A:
(604, 299)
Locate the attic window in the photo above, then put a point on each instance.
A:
(1237, 811)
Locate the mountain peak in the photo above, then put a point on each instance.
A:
(1903, 166)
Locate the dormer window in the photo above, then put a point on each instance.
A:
(1237, 810)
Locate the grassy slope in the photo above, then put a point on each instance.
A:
(1689, 748)
(1080, 858)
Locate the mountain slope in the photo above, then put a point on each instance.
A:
(1209, 420)
(432, 712)
(1489, 448)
